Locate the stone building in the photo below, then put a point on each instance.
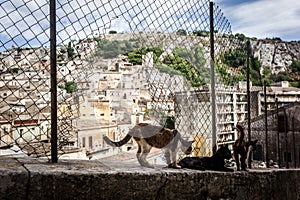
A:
(280, 139)
(277, 94)
(196, 116)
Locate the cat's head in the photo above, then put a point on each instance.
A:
(224, 152)
(186, 146)
(253, 145)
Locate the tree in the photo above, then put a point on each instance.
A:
(63, 51)
(135, 56)
(14, 70)
(266, 73)
(181, 32)
(70, 51)
(170, 122)
(111, 49)
(235, 57)
(255, 75)
(240, 36)
(69, 86)
(112, 32)
(189, 63)
(202, 33)
(281, 76)
(228, 79)
(295, 67)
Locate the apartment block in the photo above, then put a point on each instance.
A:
(231, 109)
(278, 94)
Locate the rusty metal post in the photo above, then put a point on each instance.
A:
(278, 138)
(286, 140)
(248, 97)
(212, 77)
(266, 125)
(54, 158)
(294, 142)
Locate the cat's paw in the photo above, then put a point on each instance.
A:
(145, 164)
(148, 165)
(229, 170)
(174, 166)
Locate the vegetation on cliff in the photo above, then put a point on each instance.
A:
(190, 63)
(234, 61)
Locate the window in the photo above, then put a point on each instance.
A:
(287, 157)
(299, 156)
(83, 142)
(281, 123)
(21, 132)
(90, 142)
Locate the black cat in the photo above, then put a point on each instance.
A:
(242, 150)
(215, 162)
(250, 147)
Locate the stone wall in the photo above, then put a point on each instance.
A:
(36, 179)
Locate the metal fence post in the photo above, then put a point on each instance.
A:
(212, 76)
(266, 125)
(278, 138)
(248, 96)
(286, 139)
(294, 143)
(53, 81)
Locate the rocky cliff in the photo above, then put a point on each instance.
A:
(278, 55)
(273, 53)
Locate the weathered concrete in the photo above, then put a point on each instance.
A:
(22, 178)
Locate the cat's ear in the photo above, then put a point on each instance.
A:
(191, 142)
(255, 141)
(224, 146)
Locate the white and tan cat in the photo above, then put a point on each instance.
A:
(148, 136)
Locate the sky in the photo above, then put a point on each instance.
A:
(26, 22)
(263, 18)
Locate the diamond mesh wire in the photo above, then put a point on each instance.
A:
(118, 63)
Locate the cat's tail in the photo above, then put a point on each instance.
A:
(119, 143)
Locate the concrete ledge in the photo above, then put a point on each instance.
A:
(25, 178)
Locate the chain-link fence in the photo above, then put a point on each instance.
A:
(118, 63)
(277, 132)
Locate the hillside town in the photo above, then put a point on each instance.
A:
(108, 98)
